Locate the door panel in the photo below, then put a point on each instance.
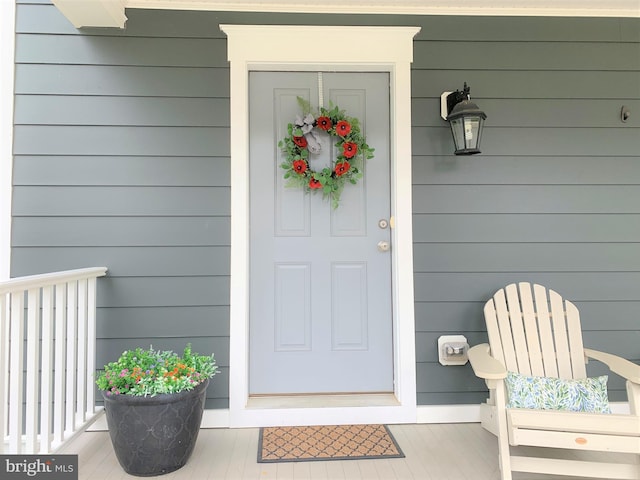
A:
(320, 291)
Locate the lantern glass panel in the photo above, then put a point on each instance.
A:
(467, 131)
(457, 129)
(471, 126)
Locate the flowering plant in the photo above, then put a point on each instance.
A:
(151, 372)
(303, 139)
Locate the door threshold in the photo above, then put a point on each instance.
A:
(323, 401)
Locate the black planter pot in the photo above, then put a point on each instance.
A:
(154, 435)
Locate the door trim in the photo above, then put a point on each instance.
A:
(381, 49)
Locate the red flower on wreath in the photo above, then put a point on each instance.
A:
(343, 128)
(342, 168)
(314, 184)
(324, 123)
(349, 149)
(300, 166)
(300, 141)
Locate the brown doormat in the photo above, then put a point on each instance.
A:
(328, 442)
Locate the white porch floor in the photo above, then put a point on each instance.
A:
(433, 452)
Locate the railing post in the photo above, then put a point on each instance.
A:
(91, 345)
(81, 388)
(4, 367)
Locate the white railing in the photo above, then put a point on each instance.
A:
(47, 359)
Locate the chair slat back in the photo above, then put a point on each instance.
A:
(535, 332)
(550, 367)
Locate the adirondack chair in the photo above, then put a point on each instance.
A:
(535, 333)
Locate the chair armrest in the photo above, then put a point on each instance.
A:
(484, 365)
(619, 365)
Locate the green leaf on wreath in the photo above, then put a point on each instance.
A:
(305, 106)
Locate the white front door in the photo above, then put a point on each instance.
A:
(320, 318)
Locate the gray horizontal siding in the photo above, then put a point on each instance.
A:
(143, 261)
(122, 159)
(118, 231)
(519, 55)
(39, 79)
(205, 321)
(118, 201)
(558, 199)
(527, 257)
(525, 170)
(127, 51)
(115, 140)
(121, 111)
(526, 228)
(122, 171)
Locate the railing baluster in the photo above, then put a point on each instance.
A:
(16, 366)
(59, 359)
(46, 383)
(54, 399)
(33, 369)
(72, 326)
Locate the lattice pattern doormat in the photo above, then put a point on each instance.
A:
(332, 442)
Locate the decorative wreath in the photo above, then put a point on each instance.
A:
(303, 139)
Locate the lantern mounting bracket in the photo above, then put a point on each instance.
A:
(448, 100)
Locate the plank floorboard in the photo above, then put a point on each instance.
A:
(432, 452)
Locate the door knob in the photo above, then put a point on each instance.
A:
(383, 246)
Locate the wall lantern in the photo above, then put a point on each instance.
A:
(465, 118)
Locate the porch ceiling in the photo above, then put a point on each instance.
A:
(111, 13)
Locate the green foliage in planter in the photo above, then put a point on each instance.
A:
(152, 372)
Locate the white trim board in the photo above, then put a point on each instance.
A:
(7, 69)
(219, 418)
(555, 8)
(111, 13)
(385, 49)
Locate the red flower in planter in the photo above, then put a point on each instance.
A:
(314, 184)
(300, 166)
(300, 141)
(342, 168)
(343, 128)
(324, 123)
(349, 149)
